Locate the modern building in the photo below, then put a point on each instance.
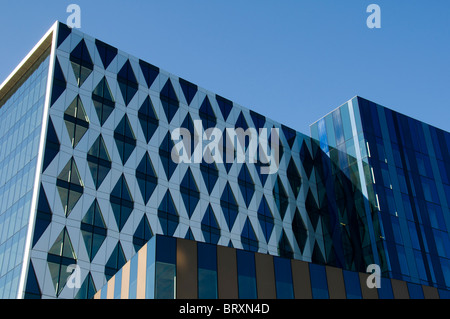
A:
(94, 183)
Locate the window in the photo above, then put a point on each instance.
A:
(115, 261)
(189, 192)
(289, 134)
(148, 119)
(146, 177)
(283, 278)
(299, 229)
(229, 206)
(165, 150)
(87, 289)
(125, 139)
(258, 119)
(284, 247)
(210, 227)
(70, 186)
(281, 199)
(169, 100)
(246, 184)
(121, 202)
(149, 71)
(385, 291)
(207, 271)
(189, 90)
(225, 106)
(127, 82)
(81, 62)
(107, 52)
(265, 218)
(99, 161)
(246, 274)
(165, 285)
(206, 114)
(210, 175)
(415, 291)
(248, 237)
(352, 284)
(168, 215)
(77, 122)
(319, 284)
(93, 229)
(142, 234)
(59, 257)
(103, 101)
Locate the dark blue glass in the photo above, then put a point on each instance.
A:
(352, 284)
(319, 284)
(246, 274)
(385, 291)
(166, 249)
(444, 294)
(415, 291)
(445, 263)
(283, 278)
(207, 271)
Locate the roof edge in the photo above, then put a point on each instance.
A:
(27, 62)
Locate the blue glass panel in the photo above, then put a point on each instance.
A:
(283, 278)
(166, 249)
(246, 274)
(415, 291)
(442, 243)
(207, 271)
(165, 275)
(444, 294)
(207, 256)
(385, 291)
(345, 115)
(319, 284)
(207, 284)
(402, 260)
(396, 230)
(445, 263)
(413, 235)
(20, 131)
(338, 129)
(330, 131)
(352, 284)
(420, 265)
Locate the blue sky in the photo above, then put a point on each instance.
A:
(292, 60)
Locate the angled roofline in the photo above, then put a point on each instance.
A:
(10, 83)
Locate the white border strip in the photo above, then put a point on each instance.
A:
(37, 178)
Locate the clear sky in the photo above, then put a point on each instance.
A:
(291, 60)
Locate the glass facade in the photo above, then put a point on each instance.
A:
(370, 185)
(405, 166)
(248, 282)
(20, 131)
